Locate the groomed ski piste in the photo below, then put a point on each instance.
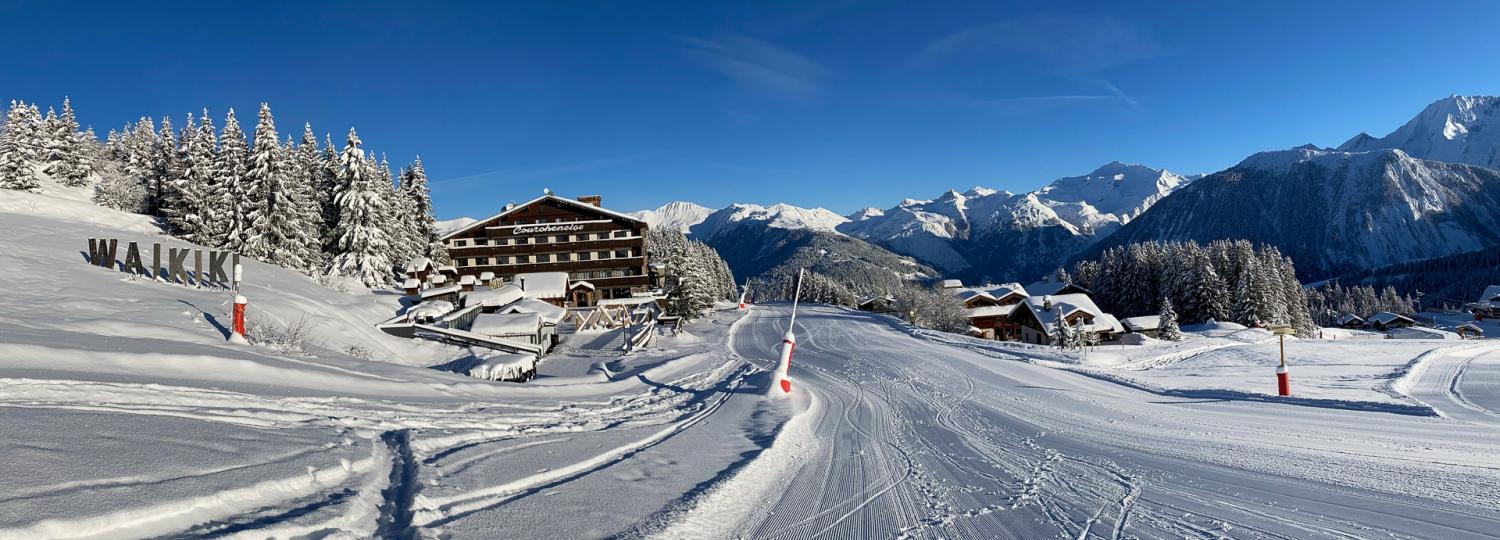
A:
(128, 415)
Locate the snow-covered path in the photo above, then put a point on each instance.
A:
(1463, 385)
(919, 439)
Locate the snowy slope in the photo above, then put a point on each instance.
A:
(1000, 235)
(675, 215)
(914, 439)
(140, 420)
(1333, 211)
(1455, 129)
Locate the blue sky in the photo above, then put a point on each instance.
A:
(835, 104)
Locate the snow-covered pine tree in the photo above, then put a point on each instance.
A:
(166, 169)
(1168, 328)
(231, 169)
(329, 186)
(309, 168)
(91, 154)
(414, 185)
(360, 244)
(275, 231)
(65, 156)
(203, 198)
(17, 155)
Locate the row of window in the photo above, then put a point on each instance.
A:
(593, 274)
(549, 257)
(545, 239)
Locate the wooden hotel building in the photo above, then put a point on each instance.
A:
(602, 251)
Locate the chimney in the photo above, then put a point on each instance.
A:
(596, 200)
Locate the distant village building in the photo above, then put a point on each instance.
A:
(877, 304)
(1010, 312)
(989, 309)
(1351, 321)
(1488, 304)
(601, 252)
(1148, 325)
(1386, 320)
(1039, 317)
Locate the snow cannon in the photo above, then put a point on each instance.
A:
(784, 366)
(238, 334)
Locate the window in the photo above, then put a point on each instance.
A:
(481, 241)
(522, 240)
(541, 239)
(564, 257)
(460, 243)
(561, 238)
(583, 255)
(622, 253)
(622, 234)
(603, 255)
(503, 259)
(523, 259)
(544, 257)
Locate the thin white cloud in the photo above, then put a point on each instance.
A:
(756, 64)
(1059, 43)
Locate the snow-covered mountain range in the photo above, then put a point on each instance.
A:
(1424, 190)
(985, 233)
(1333, 211)
(978, 233)
(1455, 129)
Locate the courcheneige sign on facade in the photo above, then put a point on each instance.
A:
(549, 228)
(103, 252)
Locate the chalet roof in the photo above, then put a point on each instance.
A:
(507, 324)
(993, 292)
(549, 313)
(418, 264)
(581, 285)
(494, 297)
(950, 283)
(991, 311)
(1143, 323)
(1386, 317)
(969, 294)
(411, 283)
(1044, 288)
(440, 291)
(1350, 318)
(549, 196)
(1068, 304)
(544, 284)
(1490, 294)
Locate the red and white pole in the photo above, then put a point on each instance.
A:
(742, 298)
(1283, 379)
(238, 334)
(784, 366)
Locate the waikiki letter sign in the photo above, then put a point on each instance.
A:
(102, 253)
